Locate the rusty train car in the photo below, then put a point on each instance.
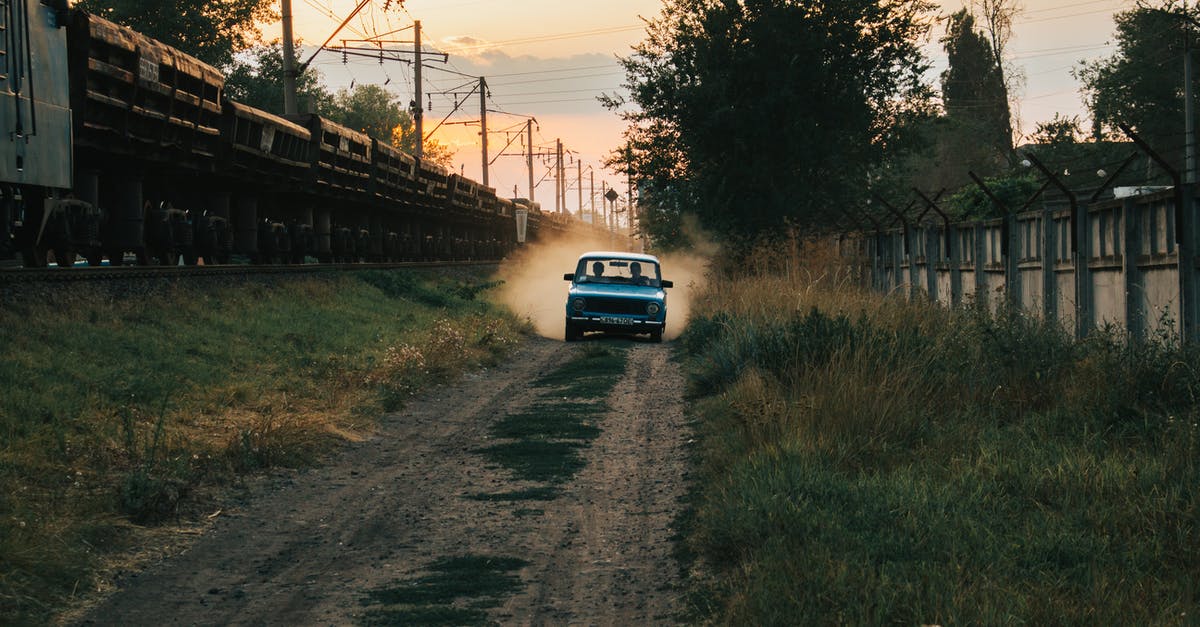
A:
(119, 148)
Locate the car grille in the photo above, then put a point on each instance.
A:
(616, 306)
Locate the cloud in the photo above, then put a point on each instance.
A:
(465, 45)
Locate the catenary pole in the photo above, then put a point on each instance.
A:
(529, 154)
(483, 126)
(289, 61)
(418, 110)
(558, 179)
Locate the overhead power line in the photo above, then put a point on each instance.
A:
(527, 40)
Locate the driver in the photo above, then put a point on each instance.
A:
(598, 269)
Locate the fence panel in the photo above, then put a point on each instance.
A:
(1128, 271)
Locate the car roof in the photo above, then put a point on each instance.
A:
(607, 254)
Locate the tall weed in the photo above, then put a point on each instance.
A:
(871, 460)
(122, 408)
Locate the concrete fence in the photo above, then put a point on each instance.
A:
(1134, 265)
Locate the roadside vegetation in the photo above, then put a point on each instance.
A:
(866, 460)
(124, 411)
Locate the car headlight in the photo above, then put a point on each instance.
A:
(653, 309)
(578, 304)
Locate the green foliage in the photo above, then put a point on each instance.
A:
(211, 31)
(1140, 84)
(370, 109)
(756, 115)
(1061, 131)
(887, 462)
(970, 202)
(255, 78)
(974, 93)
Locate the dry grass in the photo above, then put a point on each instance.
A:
(121, 410)
(869, 460)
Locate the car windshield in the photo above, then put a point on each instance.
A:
(618, 270)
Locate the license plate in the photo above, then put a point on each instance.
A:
(613, 320)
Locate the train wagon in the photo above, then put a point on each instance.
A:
(122, 149)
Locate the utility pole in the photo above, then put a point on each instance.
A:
(483, 125)
(604, 204)
(418, 110)
(529, 154)
(592, 201)
(579, 184)
(289, 61)
(558, 179)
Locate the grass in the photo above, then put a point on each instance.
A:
(438, 598)
(124, 409)
(545, 443)
(868, 460)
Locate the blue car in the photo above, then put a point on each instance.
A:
(616, 292)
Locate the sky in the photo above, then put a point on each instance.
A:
(550, 59)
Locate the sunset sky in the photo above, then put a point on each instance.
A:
(551, 59)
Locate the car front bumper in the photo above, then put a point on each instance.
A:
(615, 323)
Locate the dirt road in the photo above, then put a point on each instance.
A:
(318, 547)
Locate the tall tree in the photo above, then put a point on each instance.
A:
(763, 114)
(973, 90)
(211, 31)
(996, 18)
(1142, 83)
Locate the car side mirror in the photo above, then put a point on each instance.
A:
(667, 284)
(570, 276)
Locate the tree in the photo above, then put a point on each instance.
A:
(1061, 131)
(210, 31)
(978, 132)
(997, 20)
(762, 115)
(370, 109)
(1142, 83)
(255, 78)
(404, 137)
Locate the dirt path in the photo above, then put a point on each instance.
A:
(309, 546)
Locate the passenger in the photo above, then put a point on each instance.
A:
(635, 274)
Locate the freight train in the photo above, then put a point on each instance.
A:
(118, 147)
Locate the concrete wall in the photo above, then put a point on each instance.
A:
(1134, 267)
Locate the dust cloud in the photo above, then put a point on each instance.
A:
(534, 288)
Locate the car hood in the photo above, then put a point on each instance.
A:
(613, 290)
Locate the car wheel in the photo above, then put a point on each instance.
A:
(656, 336)
(572, 333)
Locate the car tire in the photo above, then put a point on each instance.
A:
(656, 336)
(572, 333)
